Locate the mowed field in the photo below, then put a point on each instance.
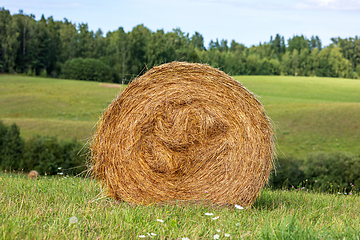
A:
(310, 114)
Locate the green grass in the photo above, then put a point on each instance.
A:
(311, 114)
(41, 209)
(65, 108)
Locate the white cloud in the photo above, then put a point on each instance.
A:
(347, 5)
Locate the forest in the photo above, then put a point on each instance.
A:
(62, 49)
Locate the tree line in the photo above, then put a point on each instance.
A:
(325, 172)
(46, 155)
(52, 48)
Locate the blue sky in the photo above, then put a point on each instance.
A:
(246, 21)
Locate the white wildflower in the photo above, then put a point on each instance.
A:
(227, 235)
(238, 206)
(216, 236)
(160, 220)
(142, 236)
(209, 214)
(215, 218)
(73, 220)
(218, 230)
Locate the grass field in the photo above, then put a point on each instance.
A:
(42, 209)
(311, 114)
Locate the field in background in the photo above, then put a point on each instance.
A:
(65, 108)
(311, 114)
(42, 209)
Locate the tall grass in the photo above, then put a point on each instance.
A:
(41, 209)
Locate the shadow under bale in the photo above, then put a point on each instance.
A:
(183, 131)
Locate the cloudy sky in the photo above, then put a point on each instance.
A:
(246, 21)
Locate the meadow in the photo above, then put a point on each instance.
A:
(310, 113)
(75, 208)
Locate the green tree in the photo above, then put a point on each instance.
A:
(68, 39)
(85, 42)
(252, 64)
(160, 49)
(197, 41)
(139, 38)
(22, 27)
(5, 19)
(298, 43)
(118, 53)
(11, 147)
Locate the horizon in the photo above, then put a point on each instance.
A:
(213, 19)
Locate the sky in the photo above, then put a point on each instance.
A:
(249, 22)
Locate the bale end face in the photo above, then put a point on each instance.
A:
(184, 131)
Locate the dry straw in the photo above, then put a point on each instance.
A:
(183, 131)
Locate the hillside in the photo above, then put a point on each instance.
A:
(310, 114)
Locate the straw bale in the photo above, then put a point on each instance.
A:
(183, 131)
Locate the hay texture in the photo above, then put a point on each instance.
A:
(183, 131)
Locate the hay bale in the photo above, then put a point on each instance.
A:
(33, 174)
(183, 132)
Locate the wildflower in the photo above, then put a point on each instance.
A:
(209, 214)
(59, 168)
(238, 206)
(227, 235)
(292, 186)
(215, 218)
(351, 193)
(185, 238)
(237, 224)
(73, 220)
(142, 236)
(339, 192)
(315, 180)
(216, 236)
(153, 234)
(206, 192)
(160, 220)
(218, 230)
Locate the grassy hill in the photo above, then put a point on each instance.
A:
(68, 109)
(311, 114)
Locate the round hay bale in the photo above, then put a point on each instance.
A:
(183, 131)
(33, 174)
